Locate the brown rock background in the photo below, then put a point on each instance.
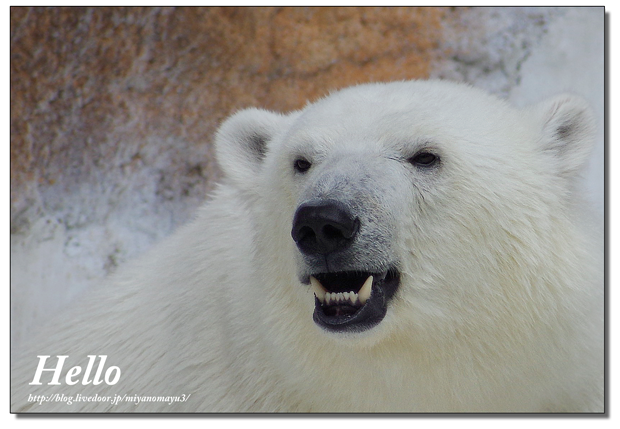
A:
(113, 110)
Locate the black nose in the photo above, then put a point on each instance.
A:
(323, 227)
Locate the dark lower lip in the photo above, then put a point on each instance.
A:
(367, 316)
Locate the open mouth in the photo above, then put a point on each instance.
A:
(352, 301)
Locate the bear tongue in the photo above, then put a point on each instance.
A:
(362, 295)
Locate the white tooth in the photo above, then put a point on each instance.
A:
(328, 298)
(319, 290)
(354, 298)
(364, 292)
(345, 295)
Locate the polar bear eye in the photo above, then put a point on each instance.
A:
(302, 165)
(424, 159)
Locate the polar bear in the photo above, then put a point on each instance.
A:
(395, 247)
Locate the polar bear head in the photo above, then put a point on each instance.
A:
(424, 206)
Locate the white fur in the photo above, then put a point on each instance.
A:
(500, 302)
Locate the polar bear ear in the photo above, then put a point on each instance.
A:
(567, 131)
(241, 143)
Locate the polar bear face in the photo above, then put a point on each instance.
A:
(408, 205)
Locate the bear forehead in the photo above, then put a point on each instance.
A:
(404, 113)
(427, 99)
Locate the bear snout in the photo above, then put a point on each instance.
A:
(321, 227)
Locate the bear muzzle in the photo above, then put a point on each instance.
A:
(348, 297)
